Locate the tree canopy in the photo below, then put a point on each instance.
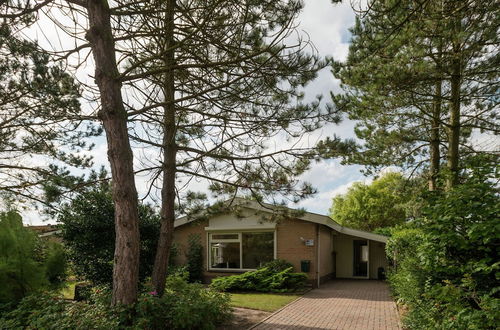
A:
(386, 202)
(420, 78)
(42, 128)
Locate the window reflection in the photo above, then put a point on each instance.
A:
(225, 255)
(258, 248)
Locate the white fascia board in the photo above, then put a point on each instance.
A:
(180, 221)
(238, 229)
(50, 233)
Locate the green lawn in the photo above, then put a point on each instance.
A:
(263, 301)
(68, 292)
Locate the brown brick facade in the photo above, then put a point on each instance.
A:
(292, 248)
(290, 245)
(291, 234)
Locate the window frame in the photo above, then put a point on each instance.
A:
(240, 241)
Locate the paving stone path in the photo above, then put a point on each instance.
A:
(338, 304)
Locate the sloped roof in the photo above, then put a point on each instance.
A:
(306, 216)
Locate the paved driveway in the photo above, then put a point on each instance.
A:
(339, 304)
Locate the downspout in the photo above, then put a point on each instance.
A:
(318, 257)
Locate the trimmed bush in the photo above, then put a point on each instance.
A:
(263, 280)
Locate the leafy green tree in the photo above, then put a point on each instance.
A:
(88, 230)
(386, 202)
(27, 264)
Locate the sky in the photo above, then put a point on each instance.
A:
(327, 25)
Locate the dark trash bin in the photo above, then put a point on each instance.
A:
(305, 266)
(381, 273)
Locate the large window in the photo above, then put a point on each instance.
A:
(247, 250)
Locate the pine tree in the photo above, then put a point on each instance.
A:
(408, 82)
(207, 85)
(213, 82)
(42, 130)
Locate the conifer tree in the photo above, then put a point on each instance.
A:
(213, 82)
(206, 85)
(419, 78)
(41, 128)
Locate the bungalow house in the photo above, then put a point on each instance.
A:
(313, 243)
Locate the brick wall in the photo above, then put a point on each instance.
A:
(290, 246)
(181, 236)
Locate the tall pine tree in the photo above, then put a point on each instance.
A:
(214, 82)
(42, 129)
(419, 78)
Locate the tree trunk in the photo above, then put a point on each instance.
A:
(169, 159)
(454, 124)
(435, 152)
(114, 119)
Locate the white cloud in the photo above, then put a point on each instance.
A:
(321, 202)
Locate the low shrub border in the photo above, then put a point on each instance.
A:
(276, 276)
(183, 306)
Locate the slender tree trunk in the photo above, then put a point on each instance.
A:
(454, 124)
(114, 118)
(169, 159)
(435, 152)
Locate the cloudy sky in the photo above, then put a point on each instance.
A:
(327, 26)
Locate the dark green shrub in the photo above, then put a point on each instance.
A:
(183, 306)
(263, 280)
(447, 264)
(195, 258)
(45, 311)
(88, 230)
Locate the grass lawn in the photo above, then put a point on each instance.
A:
(68, 292)
(268, 302)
